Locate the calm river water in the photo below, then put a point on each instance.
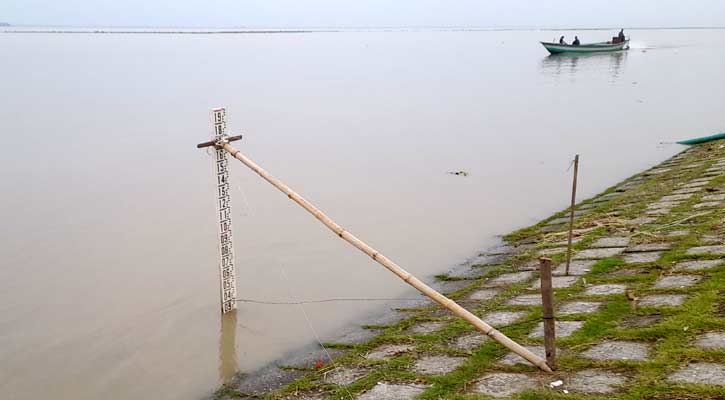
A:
(108, 254)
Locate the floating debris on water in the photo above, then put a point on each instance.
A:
(459, 173)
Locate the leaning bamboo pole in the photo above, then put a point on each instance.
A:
(390, 265)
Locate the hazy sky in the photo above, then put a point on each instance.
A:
(295, 13)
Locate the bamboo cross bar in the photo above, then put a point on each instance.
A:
(390, 265)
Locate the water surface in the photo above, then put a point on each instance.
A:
(108, 259)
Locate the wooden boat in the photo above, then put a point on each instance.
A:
(703, 139)
(556, 48)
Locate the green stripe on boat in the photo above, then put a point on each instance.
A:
(556, 48)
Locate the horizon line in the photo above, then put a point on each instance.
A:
(333, 27)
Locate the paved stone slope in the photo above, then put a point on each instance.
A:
(641, 315)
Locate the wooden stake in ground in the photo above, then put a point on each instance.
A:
(547, 301)
(387, 263)
(571, 213)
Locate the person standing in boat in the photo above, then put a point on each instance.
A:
(561, 40)
(576, 41)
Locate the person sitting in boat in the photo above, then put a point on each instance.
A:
(619, 38)
(576, 41)
(561, 40)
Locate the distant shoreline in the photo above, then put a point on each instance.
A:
(224, 31)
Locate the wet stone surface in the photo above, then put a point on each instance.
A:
(605, 289)
(619, 351)
(503, 318)
(407, 304)
(598, 253)
(639, 221)
(565, 243)
(553, 250)
(489, 259)
(659, 211)
(558, 282)
(525, 300)
(646, 257)
(513, 277)
(267, 380)
(467, 272)
(576, 267)
(675, 197)
(558, 221)
(677, 281)
(714, 197)
(448, 287)
(504, 384)
(427, 327)
(697, 265)
(678, 233)
(553, 228)
(700, 373)
(513, 359)
(437, 365)
(356, 336)
(483, 294)
(626, 272)
(696, 184)
(595, 381)
(707, 250)
(579, 307)
(391, 317)
(663, 204)
(711, 341)
(563, 328)
(343, 376)
(649, 247)
(531, 265)
(503, 249)
(687, 190)
(707, 204)
(310, 359)
(304, 395)
(711, 239)
(388, 350)
(663, 300)
(469, 341)
(641, 321)
(393, 391)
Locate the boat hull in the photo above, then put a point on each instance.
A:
(703, 139)
(556, 48)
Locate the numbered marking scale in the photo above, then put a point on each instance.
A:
(228, 284)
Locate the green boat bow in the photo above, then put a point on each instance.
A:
(703, 139)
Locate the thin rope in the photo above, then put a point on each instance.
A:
(309, 325)
(569, 167)
(247, 211)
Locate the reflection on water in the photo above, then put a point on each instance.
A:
(228, 366)
(570, 64)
